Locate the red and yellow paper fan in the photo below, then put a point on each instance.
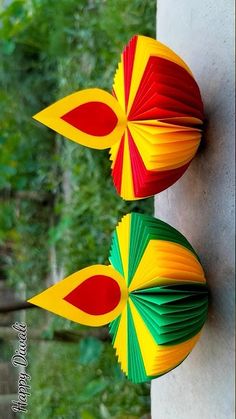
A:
(151, 122)
(153, 294)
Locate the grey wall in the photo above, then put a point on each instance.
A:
(201, 206)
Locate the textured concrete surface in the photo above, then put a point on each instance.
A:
(201, 206)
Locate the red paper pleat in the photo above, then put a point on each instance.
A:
(166, 90)
(128, 60)
(117, 170)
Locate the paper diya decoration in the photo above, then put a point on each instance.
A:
(152, 122)
(153, 294)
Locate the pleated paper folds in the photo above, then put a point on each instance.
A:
(167, 304)
(152, 122)
(153, 294)
(162, 101)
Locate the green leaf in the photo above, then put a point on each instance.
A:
(104, 412)
(7, 47)
(93, 388)
(90, 350)
(47, 334)
(85, 414)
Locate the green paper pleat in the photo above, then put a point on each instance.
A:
(161, 299)
(115, 257)
(172, 337)
(193, 287)
(113, 328)
(174, 317)
(136, 369)
(183, 324)
(165, 299)
(145, 228)
(174, 314)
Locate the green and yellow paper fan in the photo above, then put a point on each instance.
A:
(167, 304)
(153, 294)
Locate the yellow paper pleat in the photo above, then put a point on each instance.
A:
(120, 343)
(168, 357)
(113, 152)
(172, 122)
(158, 359)
(163, 151)
(119, 83)
(123, 233)
(146, 341)
(159, 133)
(164, 260)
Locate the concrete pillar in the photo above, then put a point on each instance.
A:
(201, 206)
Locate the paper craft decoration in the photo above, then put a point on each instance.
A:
(153, 294)
(152, 122)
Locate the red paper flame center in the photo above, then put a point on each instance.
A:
(97, 295)
(93, 118)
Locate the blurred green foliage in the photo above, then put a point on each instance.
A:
(58, 205)
(95, 389)
(50, 49)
